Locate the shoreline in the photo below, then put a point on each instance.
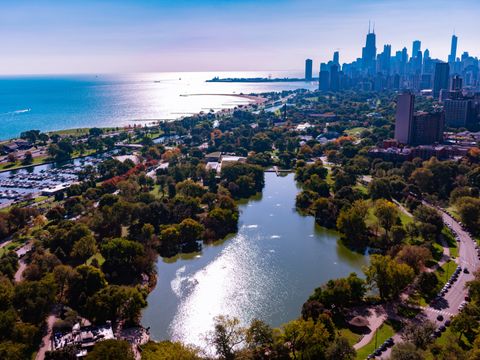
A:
(256, 99)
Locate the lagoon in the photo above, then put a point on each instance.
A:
(267, 270)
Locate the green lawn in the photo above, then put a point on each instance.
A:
(355, 131)
(445, 271)
(10, 247)
(450, 239)
(98, 256)
(383, 333)
(350, 336)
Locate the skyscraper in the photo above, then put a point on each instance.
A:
(385, 59)
(440, 80)
(369, 52)
(308, 69)
(336, 58)
(457, 83)
(334, 78)
(453, 50)
(427, 128)
(324, 78)
(404, 118)
(417, 45)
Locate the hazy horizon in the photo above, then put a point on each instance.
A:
(126, 36)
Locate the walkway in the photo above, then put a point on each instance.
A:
(377, 315)
(46, 340)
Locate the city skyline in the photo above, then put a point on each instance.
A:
(50, 37)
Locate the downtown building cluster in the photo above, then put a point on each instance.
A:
(417, 72)
(454, 84)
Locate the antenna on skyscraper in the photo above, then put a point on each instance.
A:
(374, 27)
(369, 26)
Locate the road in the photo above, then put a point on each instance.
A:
(448, 307)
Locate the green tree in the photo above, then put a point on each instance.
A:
(351, 222)
(387, 214)
(419, 335)
(388, 276)
(406, 351)
(227, 336)
(169, 350)
(111, 350)
(116, 303)
(340, 349)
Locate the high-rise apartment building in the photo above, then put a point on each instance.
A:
(308, 69)
(404, 118)
(441, 78)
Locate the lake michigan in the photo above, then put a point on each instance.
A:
(50, 103)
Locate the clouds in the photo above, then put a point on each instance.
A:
(116, 36)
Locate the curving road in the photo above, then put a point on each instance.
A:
(448, 307)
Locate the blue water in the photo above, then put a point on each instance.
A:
(61, 102)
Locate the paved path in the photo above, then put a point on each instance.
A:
(376, 318)
(46, 344)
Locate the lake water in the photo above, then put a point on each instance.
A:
(63, 102)
(266, 271)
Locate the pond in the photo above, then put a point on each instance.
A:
(266, 271)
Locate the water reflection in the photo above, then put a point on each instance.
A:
(267, 270)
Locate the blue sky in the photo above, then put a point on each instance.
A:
(54, 36)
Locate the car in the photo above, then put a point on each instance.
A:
(442, 328)
(467, 298)
(437, 333)
(466, 271)
(377, 353)
(383, 347)
(447, 323)
(440, 317)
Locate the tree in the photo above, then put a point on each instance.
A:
(427, 283)
(469, 210)
(388, 276)
(190, 188)
(86, 281)
(419, 335)
(84, 248)
(423, 178)
(116, 303)
(33, 299)
(168, 350)
(465, 323)
(190, 230)
(170, 241)
(259, 338)
(63, 275)
(28, 158)
(414, 256)
(13, 351)
(111, 350)
(430, 217)
(340, 349)
(387, 214)
(406, 351)
(122, 257)
(379, 189)
(351, 222)
(306, 339)
(227, 336)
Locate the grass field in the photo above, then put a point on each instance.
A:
(355, 131)
(350, 336)
(100, 259)
(445, 271)
(383, 333)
